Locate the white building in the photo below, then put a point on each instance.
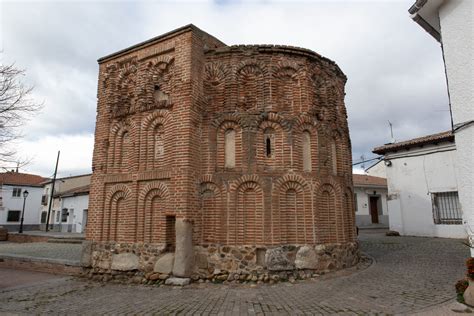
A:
(370, 199)
(72, 216)
(12, 196)
(69, 204)
(377, 170)
(450, 22)
(423, 187)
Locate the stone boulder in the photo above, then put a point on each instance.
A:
(184, 253)
(178, 281)
(124, 262)
(277, 259)
(306, 258)
(164, 264)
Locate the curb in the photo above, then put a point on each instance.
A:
(48, 265)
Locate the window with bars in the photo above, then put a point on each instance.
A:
(13, 216)
(446, 208)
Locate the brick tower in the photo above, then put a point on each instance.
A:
(215, 161)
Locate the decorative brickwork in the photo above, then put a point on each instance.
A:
(249, 144)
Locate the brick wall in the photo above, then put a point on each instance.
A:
(163, 110)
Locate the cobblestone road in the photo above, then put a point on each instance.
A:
(409, 274)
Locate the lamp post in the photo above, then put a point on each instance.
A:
(25, 195)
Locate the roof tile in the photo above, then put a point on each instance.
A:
(365, 180)
(415, 142)
(17, 178)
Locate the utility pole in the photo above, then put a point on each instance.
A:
(362, 159)
(392, 140)
(52, 193)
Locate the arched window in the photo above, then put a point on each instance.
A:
(159, 144)
(306, 151)
(334, 157)
(269, 137)
(268, 147)
(209, 216)
(229, 148)
(123, 150)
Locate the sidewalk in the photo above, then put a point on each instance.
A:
(50, 234)
(56, 258)
(42, 250)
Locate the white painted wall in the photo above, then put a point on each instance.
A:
(457, 36)
(76, 206)
(363, 217)
(377, 170)
(410, 182)
(61, 185)
(32, 205)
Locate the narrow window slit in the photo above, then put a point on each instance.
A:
(269, 147)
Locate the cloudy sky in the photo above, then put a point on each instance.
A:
(394, 68)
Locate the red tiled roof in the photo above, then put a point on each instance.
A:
(17, 178)
(365, 180)
(447, 136)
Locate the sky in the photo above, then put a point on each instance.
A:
(395, 69)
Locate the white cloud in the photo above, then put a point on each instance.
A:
(394, 68)
(75, 158)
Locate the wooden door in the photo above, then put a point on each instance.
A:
(374, 211)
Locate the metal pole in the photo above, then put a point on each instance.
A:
(52, 193)
(22, 215)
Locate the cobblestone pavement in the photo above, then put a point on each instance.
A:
(70, 252)
(409, 275)
(10, 278)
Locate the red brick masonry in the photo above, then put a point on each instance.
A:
(250, 144)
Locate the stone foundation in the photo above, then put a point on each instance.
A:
(215, 261)
(149, 264)
(108, 256)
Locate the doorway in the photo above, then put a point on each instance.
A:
(71, 225)
(374, 209)
(170, 237)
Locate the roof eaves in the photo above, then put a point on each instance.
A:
(369, 185)
(38, 185)
(417, 6)
(156, 39)
(145, 43)
(415, 142)
(427, 27)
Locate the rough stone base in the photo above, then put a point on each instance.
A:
(248, 263)
(222, 263)
(103, 254)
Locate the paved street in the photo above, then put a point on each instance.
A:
(10, 279)
(63, 251)
(409, 275)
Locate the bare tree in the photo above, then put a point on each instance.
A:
(16, 106)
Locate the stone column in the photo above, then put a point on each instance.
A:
(184, 253)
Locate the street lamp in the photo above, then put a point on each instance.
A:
(25, 195)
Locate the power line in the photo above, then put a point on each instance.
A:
(372, 159)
